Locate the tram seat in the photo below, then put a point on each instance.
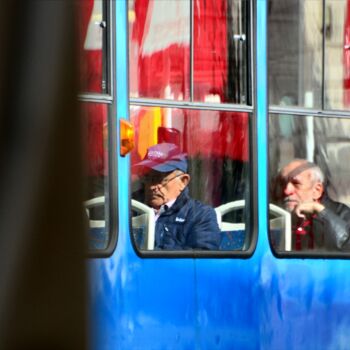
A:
(143, 225)
(232, 234)
(280, 228)
(98, 237)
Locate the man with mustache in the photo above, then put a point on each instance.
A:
(318, 222)
(182, 223)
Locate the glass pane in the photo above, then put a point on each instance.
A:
(96, 169)
(310, 183)
(200, 160)
(91, 29)
(220, 50)
(159, 49)
(295, 53)
(337, 54)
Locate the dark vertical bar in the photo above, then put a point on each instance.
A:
(42, 283)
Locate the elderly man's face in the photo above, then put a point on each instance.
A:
(300, 188)
(163, 187)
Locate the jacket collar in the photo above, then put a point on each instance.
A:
(179, 203)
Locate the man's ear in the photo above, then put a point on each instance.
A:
(185, 180)
(318, 191)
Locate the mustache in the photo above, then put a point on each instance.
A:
(157, 192)
(288, 200)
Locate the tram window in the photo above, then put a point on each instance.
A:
(309, 53)
(310, 184)
(337, 54)
(197, 154)
(166, 63)
(295, 52)
(92, 25)
(94, 116)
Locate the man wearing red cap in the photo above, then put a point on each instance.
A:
(181, 222)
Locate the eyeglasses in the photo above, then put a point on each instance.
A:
(159, 179)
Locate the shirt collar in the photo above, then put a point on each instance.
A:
(165, 207)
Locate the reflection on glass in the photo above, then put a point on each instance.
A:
(90, 45)
(337, 54)
(159, 49)
(187, 163)
(295, 53)
(309, 183)
(94, 116)
(220, 51)
(161, 54)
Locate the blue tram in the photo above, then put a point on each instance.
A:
(242, 87)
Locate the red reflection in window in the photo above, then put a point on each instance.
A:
(159, 48)
(96, 136)
(169, 135)
(90, 45)
(220, 134)
(206, 133)
(216, 143)
(210, 50)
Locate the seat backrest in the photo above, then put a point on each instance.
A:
(98, 237)
(280, 227)
(232, 234)
(143, 225)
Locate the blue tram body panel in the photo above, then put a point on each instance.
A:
(258, 303)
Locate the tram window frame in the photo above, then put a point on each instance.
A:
(249, 107)
(319, 84)
(252, 231)
(288, 107)
(107, 85)
(304, 254)
(108, 98)
(240, 39)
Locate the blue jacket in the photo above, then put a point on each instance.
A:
(188, 224)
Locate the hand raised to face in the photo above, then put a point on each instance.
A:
(305, 208)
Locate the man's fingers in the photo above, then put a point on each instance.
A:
(304, 208)
(298, 212)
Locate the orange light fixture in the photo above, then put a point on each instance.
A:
(127, 137)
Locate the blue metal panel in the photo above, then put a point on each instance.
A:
(257, 303)
(227, 317)
(304, 304)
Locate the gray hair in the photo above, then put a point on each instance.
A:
(317, 174)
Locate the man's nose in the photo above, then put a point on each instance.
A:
(288, 189)
(154, 187)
